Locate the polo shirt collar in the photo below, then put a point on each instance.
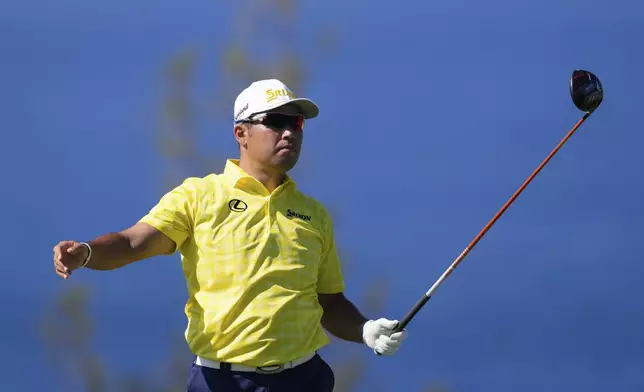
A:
(236, 176)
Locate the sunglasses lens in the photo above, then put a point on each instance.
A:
(281, 121)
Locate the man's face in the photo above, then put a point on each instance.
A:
(274, 140)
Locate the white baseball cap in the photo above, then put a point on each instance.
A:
(269, 94)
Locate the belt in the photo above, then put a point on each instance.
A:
(269, 369)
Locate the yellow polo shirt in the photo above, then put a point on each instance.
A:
(254, 263)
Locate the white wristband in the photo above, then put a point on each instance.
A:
(89, 255)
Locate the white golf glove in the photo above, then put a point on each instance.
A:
(377, 335)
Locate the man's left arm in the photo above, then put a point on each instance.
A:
(341, 317)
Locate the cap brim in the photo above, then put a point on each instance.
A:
(304, 106)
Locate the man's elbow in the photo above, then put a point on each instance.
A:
(146, 241)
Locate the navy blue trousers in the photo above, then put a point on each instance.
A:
(313, 376)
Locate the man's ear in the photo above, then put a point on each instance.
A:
(241, 134)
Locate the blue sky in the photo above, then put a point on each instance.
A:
(432, 115)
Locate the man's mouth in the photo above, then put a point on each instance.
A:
(286, 147)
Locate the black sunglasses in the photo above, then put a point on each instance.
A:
(278, 121)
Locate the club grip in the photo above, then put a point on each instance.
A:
(410, 315)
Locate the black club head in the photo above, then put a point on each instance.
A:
(586, 90)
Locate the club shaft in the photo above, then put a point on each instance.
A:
(410, 315)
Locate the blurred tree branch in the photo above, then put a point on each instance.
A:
(67, 332)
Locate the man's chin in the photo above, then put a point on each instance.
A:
(286, 163)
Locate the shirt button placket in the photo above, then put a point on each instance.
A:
(269, 215)
(272, 214)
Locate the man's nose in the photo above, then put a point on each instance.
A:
(288, 132)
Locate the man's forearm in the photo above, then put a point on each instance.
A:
(111, 251)
(115, 250)
(342, 319)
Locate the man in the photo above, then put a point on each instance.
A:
(259, 258)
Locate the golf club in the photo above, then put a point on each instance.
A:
(587, 94)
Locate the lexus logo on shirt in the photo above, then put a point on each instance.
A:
(237, 205)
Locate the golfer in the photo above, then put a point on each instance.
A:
(259, 257)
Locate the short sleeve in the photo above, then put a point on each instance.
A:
(330, 278)
(173, 214)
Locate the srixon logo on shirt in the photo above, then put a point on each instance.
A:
(293, 214)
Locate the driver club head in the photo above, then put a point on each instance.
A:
(586, 90)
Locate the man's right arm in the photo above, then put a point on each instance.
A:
(139, 242)
(160, 232)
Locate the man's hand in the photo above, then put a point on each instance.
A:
(377, 335)
(68, 256)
